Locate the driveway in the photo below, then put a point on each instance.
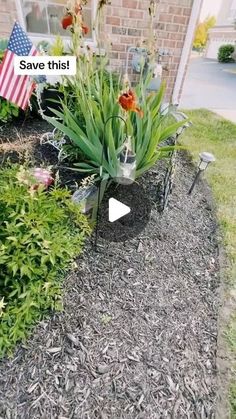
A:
(210, 85)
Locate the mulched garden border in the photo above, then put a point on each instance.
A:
(138, 334)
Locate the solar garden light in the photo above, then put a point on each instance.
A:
(127, 164)
(205, 160)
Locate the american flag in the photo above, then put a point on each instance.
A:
(17, 89)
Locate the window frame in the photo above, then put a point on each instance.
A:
(37, 37)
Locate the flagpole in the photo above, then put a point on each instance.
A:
(101, 173)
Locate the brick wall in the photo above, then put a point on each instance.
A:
(126, 24)
(7, 16)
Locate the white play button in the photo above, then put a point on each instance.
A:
(117, 210)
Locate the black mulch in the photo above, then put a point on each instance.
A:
(21, 141)
(138, 335)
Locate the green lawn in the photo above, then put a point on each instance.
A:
(216, 135)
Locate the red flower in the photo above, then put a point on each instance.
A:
(67, 21)
(129, 103)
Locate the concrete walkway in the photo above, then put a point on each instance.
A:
(210, 85)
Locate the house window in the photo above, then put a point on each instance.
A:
(233, 10)
(43, 17)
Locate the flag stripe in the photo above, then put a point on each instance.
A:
(29, 86)
(15, 88)
(6, 73)
(21, 83)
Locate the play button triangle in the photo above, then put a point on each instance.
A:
(117, 210)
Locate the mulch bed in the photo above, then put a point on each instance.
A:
(138, 335)
(20, 142)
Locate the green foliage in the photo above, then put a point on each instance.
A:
(7, 109)
(3, 47)
(201, 33)
(232, 400)
(200, 39)
(94, 99)
(40, 234)
(210, 22)
(57, 48)
(225, 53)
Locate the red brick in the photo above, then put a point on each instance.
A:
(172, 27)
(169, 43)
(180, 19)
(134, 32)
(187, 11)
(113, 20)
(123, 55)
(118, 47)
(176, 60)
(163, 8)
(144, 4)
(164, 17)
(130, 4)
(119, 11)
(164, 35)
(177, 36)
(127, 40)
(118, 30)
(136, 14)
(175, 10)
(114, 55)
(158, 25)
(146, 33)
(116, 3)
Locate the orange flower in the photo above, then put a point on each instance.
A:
(67, 21)
(129, 103)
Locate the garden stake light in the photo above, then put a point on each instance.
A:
(127, 166)
(205, 160)
(101, 172)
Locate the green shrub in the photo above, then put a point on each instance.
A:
(7, 109)
(40, 234)
(225, 53)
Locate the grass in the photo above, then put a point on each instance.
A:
(218, 136)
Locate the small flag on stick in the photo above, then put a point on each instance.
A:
(17, 89)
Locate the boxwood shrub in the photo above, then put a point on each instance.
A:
(41, 232)
(225, 53)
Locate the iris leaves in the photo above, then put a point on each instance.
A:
(95, 99)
